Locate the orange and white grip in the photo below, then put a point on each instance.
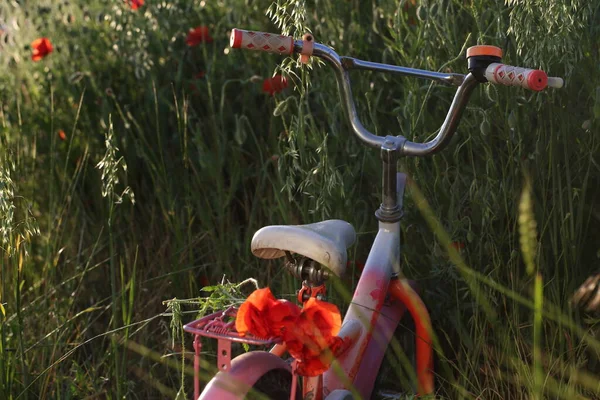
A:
(532, 79)
(261, 41)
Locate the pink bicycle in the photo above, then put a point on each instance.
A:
(313, 252)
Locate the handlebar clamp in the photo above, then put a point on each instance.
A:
(480, 57)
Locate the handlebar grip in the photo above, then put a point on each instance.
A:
(261, 41)
(532, 79)
(555, 82)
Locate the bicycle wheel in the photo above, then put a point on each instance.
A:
(274, 385)
(393, 379)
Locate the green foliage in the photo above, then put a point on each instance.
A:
(551, 33)
(527, 228)
(110, 166)
(289, 16)
(17, 224)
(219, 297)
(211, 159)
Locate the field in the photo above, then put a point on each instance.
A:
(139, 154)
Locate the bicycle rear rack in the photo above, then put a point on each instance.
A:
(220, 326)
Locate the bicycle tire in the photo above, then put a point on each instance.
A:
(388, 380)
(274, 385)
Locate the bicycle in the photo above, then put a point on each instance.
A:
(316, 251)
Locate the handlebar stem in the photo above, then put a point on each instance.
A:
(392, 147)
(390, 209)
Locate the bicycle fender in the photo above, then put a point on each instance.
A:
(245, 370)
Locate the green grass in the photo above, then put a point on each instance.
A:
(83, 280)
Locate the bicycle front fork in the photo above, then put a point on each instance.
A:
(401, 290)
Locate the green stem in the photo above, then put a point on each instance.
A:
(3, 353)
(538, 371)
(24, 370)
(113, 287)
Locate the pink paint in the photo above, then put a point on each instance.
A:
(377, 293)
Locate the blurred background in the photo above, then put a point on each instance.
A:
(139, 154)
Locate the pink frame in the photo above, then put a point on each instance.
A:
(378, 304)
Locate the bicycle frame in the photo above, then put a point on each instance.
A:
(379, 302)
(381, 296)
(378, 320)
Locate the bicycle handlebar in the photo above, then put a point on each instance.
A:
(483, 64)
(261, 41)
(532, 79)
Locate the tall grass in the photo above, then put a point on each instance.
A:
(82, 297)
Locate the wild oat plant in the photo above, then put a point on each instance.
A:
(215, 147)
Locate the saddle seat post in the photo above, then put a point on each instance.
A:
(313, 277)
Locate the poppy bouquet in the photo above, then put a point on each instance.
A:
(309, 332)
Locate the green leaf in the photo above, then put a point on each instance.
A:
(240, 134)
(211, 288)
(485, 127)
(281, 107)
(512, 120)
(597, 109)
(422, 13)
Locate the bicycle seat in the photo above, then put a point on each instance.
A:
(325, 242)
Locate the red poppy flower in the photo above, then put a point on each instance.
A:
(282, 315)
(315, 326)
(135, 4)
(458, 246)
(252, 316)
(200, 75)
(309, 333)
(409, 3)
(315, 366)
(40, 48)
(62, 135)
(310, 339)
(204, 281)
(275, 84)
(198, 35)
(264, 316)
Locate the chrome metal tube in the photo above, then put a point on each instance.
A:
(446, 78)
(448, 127)
(343, 80)
(341, 65)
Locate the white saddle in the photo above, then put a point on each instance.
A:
(325, 242)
